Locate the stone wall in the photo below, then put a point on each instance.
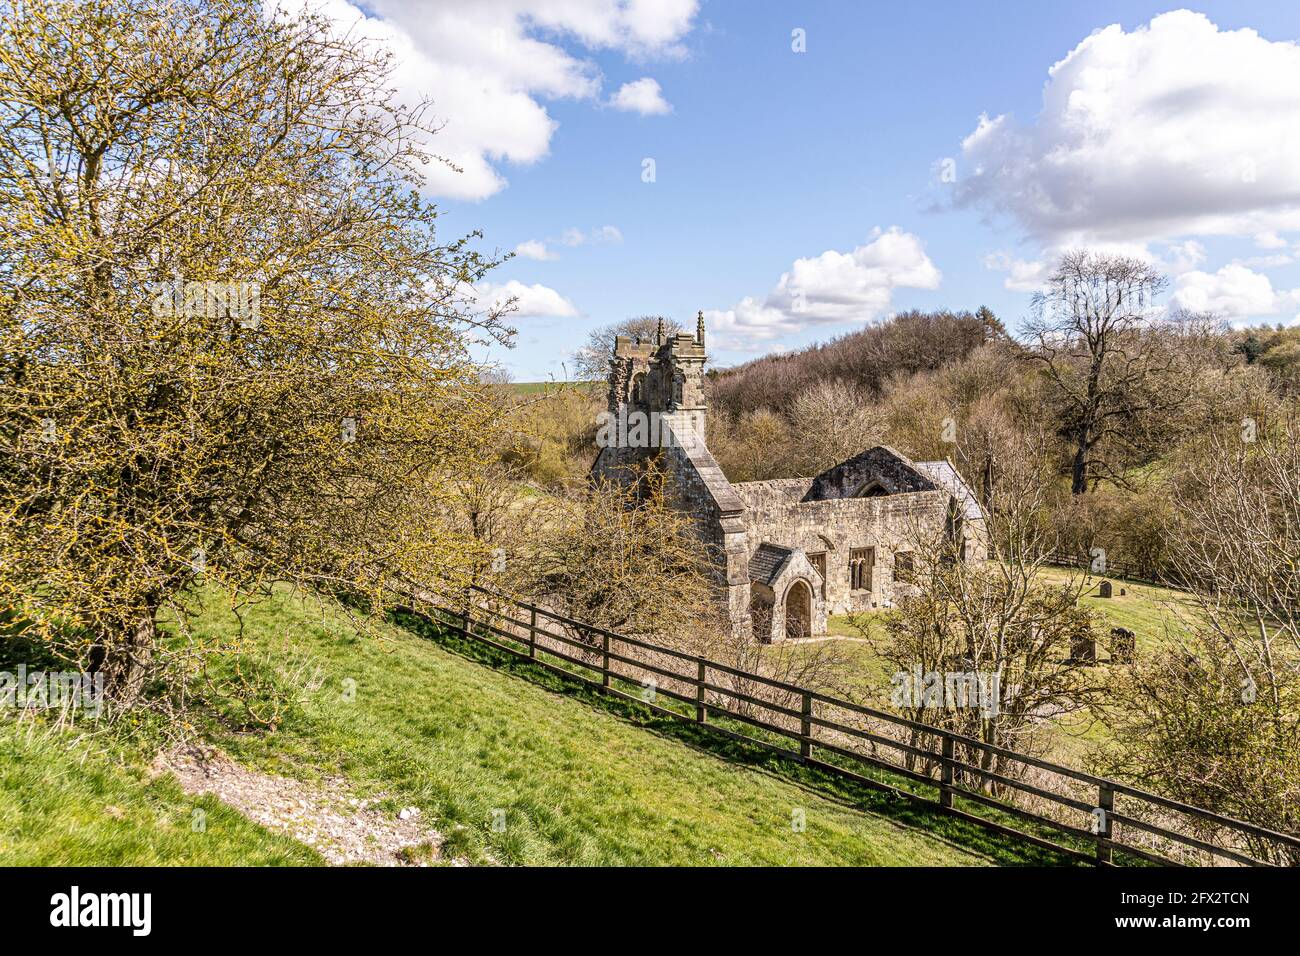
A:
(774, 512)
(702, 491)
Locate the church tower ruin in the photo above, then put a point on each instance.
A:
(786, 552)
(657, 405)
(664, 377)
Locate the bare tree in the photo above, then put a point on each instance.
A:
(1212, 715)
(1089, 335)
(831, 420)
(591, 364)
(622, 557)
(755, 448)
(999, 629)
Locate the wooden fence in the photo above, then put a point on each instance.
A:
(1119, 570)
(1073, 812)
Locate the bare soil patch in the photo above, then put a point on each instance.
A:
(341, 827)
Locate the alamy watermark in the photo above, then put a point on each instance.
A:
(241, 301)
(947, 690)
(641, 430)
(52, 690)
(130, 910)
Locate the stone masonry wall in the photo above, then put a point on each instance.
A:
(838, 525)
(702, 491)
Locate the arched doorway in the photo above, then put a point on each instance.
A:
(798, 610)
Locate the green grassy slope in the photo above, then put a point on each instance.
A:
(578, 782)
(64, 805)
(1152, 613)
(463, 733)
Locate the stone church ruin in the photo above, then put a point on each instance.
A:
(790, 551)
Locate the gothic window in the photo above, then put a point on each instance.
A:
(819, 562)
(904, 566)
(861, 561)
(679, 385)
(638, 389)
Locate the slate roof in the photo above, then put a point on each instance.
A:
(767, 562)
(943, 474)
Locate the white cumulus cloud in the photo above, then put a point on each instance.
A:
(531, 301)
(1270, 240)
(1022, 276)
(535, 249)
(854, 286)
(487, 65)
(1234, 292)
(641, 96)
(1175, 129)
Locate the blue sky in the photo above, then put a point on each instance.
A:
(800, 195)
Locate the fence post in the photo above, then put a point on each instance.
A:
(604, 671)
(701, 712)
(945, 774)
(532, 632)
(805, 727)
(1106, 803)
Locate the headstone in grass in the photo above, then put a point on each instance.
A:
(1104, 589)
(1083, 647)
(1123, 645)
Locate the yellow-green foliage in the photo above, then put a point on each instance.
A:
(159, 157)
(552, 436)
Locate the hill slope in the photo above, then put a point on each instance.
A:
(577, 783)
(68, 805)
(428, 725)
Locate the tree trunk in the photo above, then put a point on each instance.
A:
(1079, 481)
(127, 658)
(986, 492)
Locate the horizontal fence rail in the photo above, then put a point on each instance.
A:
(1120, 570)
(1081, 815)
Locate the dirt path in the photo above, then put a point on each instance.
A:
(327, 817)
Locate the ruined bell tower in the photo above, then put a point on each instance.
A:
(664, 380)
(679, 367)
(663, 377)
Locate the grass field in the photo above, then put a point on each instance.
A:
(538, 388)
(63, 804)
(579, 784)
(582, 779)
(1152, 613)
(1156, 615)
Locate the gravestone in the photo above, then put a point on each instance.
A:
(1083, 647)
(1104, 589)
(1123, 645)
